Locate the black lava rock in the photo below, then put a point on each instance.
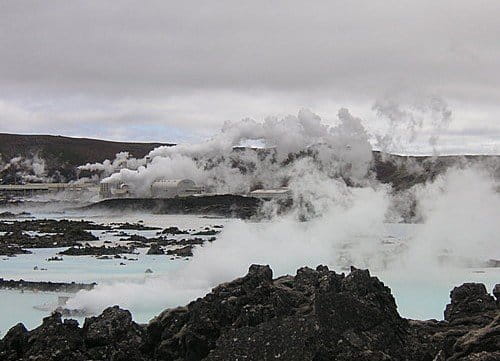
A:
(468, 300)
(316, 315)
(155, 249)
(186, 251)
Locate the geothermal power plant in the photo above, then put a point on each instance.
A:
(159, 189)
(172, 188)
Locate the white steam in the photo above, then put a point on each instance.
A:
(327, 169)
(27, 169)
(420, 116)
(293, 145)
(460, 229)
(106, 168)
(461, 219)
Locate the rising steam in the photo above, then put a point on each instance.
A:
(26, 169)
(328, 170)
(412, 118)
(299, 152)
(460, 230)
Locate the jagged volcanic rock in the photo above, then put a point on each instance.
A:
(315, 315)
(468, 300)
(113, 335)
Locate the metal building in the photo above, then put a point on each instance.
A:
(31, 189)
(114, 190)
(170, 188)
(273, 193)
(104, 190)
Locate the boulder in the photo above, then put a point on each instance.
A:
(55, 340)
(113, 326)
(155, 249)
(186, 251)
(496, 292)
(15, 341)
(468, 300)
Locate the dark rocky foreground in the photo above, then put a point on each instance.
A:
(317, 315)
(226, 205)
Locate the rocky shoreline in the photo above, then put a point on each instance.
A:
(225, 205)
(42, 286)
(316, 315)
(20, 236)
(44, 233)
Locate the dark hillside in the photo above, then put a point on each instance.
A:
(73, 151)
(403, 172)
(64, 154)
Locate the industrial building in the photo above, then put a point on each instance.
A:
(163, 188)
(272, 193)
(170, 188)
(114, 190)
(31, 189)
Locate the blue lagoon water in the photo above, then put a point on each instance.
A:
(418, 296)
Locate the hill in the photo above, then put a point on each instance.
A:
(64, 154)
(74, 151)
(403, 172)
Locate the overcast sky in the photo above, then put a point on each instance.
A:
(175, 71)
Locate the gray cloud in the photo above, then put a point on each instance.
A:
(191, 65)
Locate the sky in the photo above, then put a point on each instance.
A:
(425, 72)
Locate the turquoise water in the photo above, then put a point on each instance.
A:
(426, 297)
(85, 269)
(416, 299)
(16, 306)
(420, 294)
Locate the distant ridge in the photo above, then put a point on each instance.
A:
(73, 150)
(63, 155)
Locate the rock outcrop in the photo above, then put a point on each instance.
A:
(155, 249)
(315, 315)
(103, 250)
(45, 286)
(186, 251)
(469, 301)
(224, 205)
(470, 331)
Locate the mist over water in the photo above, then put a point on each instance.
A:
(346, 211)
(461, 219)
